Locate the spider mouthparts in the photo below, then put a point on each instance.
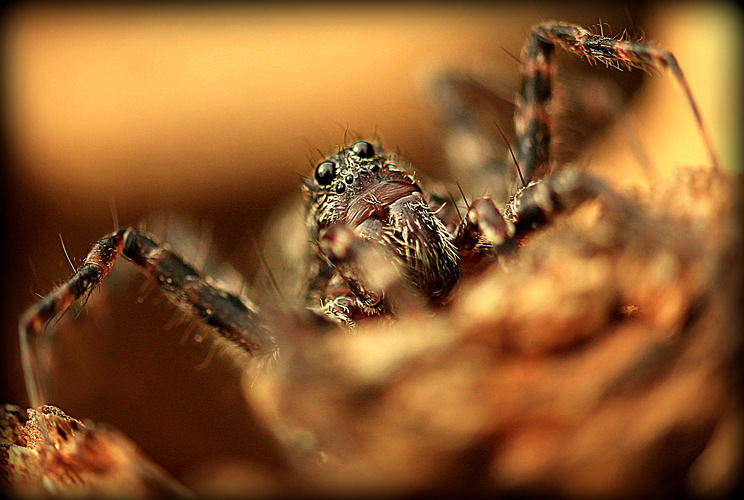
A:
(374, 200)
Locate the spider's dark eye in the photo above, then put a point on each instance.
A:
(363, 149)
(325, 173)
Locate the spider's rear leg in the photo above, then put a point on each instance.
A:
(466, 106)
(533, 116)
(233, 318)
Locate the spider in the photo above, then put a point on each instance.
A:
(380, 243)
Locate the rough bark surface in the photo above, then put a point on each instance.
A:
(75, 459)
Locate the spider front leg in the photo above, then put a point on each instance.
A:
(369, 282)
(532, 118)
(232, 317)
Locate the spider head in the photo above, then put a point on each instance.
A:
(364, 189)
(356, 183)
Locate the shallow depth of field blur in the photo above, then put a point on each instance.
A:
(215, 112)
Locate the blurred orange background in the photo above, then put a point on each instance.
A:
(214, 111)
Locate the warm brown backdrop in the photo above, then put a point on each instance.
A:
(213, 112)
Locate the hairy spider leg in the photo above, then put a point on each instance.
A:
(485, 233)
(469, 147)
(482, 234)
(532, 118)
(232, 317)
(536, 204)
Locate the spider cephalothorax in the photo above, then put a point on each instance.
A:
(364, 190)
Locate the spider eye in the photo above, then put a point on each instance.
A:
(325, 173)
(363, 149)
